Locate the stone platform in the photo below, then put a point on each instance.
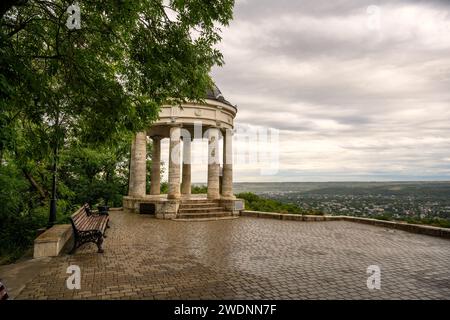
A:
(193, 206)
(246, 258)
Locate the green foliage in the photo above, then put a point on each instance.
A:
(256, 203)
(17, 230)
(164, 187)
(95, 174)
(111, 75)
(202, 189)
(87, 91)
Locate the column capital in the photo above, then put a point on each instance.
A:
(227, 132)
(190, 139)
(156, 137)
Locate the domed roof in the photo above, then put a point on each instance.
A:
(215, 94)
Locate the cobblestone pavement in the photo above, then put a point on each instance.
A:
(249, 258)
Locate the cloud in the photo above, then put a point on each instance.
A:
(350, 101)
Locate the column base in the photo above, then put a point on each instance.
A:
(228, 197)
(213, 197)
(159, 206)
(156, 194)
(174, 196)
(236, 206)
(162, 207)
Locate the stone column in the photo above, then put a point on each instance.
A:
(227, 177)
(174, 163)
(155, 185)
(186, 179)
(213, 164)
(138, 169)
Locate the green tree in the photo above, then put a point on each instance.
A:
(65, 93)
(95, 174)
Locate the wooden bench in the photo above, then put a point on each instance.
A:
(102, 210)
(3, 292)
(88, 226)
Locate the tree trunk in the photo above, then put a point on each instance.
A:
(37, 186)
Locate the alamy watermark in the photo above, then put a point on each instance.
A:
(256, 147)
(73, 282)
(74, 19)
(374, 280)
(373, 18)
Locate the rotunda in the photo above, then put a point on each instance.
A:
(213, 120)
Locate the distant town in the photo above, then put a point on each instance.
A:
(392, 199)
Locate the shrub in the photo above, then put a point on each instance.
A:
(199, 189)
(258, 203)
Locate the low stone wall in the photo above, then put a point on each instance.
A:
(288, 216)
(414, 228)
(51, 242)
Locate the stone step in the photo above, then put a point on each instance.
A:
(200, 209)
(204, 215)
(206, 219)
(198, 205)
(198, 201)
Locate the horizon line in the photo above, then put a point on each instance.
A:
(343, 181)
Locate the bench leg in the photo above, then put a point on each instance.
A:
(99, 244)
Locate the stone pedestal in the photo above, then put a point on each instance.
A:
(236, 206)
(163, 208)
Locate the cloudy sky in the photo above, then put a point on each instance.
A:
(359, 90)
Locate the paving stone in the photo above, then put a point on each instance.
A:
(249, 258)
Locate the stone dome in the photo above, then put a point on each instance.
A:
(215, 94)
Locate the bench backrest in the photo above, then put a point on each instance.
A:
(87, 207)
(80, 216)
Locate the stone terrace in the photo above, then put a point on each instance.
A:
(249, 258)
